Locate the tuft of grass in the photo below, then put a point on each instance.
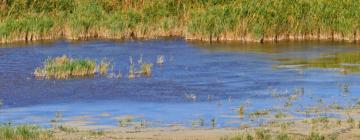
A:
(320, 120)
(146, 69)
(350, 121)
(241, 111)
(132, 69)
(64, 67)
(96, 132)
(104, 66)
(125, 122)
(280, 115)
(259, 113)
(315, 136)
(23, 132)
(67, 129)
(283, 136)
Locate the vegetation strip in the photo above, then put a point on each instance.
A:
(211, 20)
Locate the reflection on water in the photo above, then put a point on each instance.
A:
(345, 62)
(196, 85)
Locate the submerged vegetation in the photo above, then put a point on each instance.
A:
(246, 20)
(344, 62)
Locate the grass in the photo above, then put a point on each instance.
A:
(261, 134)
(64, 67)
(23, 132)
(210, 20)
(146, 69)
(104, 66)
(67, 129)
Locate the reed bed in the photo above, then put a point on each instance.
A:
(209, 20)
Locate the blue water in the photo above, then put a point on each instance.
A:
(221, 76)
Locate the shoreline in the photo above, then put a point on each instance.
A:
(247, 39)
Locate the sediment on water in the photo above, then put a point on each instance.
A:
(207, 20)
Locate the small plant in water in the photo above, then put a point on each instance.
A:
(104, 66)
(160, 59)
(64, 67)
(191, 97)
(124, 122)
(146, 69)
(132, 69)
(213, 122)
(241, 111)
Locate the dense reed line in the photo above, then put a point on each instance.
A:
(210, 20)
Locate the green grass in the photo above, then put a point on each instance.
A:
(23, 132)
(206, 19)
(64, 67)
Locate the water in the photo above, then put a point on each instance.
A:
(223, 77)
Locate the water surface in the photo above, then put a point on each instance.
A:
(223, 77)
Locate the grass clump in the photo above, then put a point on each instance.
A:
(146, 69)
(23, 132)
(64, 67)
(67, 129)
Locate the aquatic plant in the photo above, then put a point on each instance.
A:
(213, 122)
(104, 66)
(191, 97)
(64, 67)
(146, 69)
(259, 113)
(198, 122)
(124, 122)
(132, 69)
(160, 59)
(241, 111)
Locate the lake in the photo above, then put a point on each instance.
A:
(199, 84)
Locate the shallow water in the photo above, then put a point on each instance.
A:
(223, 77)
